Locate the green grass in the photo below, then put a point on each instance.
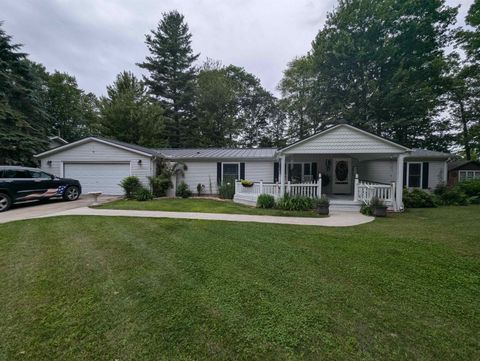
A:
(103, 288)
(203, 206)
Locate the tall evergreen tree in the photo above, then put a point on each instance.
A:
(23, 121)
(171, 78)
(379, 65)
(130, 115)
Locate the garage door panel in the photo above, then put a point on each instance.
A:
(98, 177)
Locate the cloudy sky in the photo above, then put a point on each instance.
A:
(96, 39)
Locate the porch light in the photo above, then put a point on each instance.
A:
(49, 163)
(139, 162)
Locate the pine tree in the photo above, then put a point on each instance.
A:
(171, 78)
(23, 121)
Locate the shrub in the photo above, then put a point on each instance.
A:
(130, 185)
(368, 207)
(183, 190)
(143, 194)
(227, 189)
(200, 189)
(265, 201)
(418, 199)
(160, 185)
(452, 197)
(472, 189)
(321, 202)
(295, 203)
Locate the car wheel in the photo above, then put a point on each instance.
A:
(71, 193)
(5, 202)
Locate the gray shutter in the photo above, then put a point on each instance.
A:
(425, 175)
(219, 173)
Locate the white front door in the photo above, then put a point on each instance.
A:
(342, 176)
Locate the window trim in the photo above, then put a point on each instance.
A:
(238, 169)
(408, 174)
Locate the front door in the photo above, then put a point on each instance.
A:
(342, 176)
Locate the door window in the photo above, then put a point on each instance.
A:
(341, 172)
(414, 175)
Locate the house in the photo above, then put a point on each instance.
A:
(347, 164)
(462, 170)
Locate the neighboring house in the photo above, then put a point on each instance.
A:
(462, 170)
(56, 141)
(353, 166)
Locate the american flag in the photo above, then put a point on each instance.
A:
(50, 192)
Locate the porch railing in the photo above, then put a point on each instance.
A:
(364, 191)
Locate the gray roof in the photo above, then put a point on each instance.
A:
(218, 153)
(130, 145)
(425, 153)
(459, 163)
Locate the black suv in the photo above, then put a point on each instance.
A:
(20, 184)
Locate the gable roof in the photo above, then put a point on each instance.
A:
(425, 153)
(460, 163)
(115, 143)
(346, 139)
(218, 153)
(58, 139)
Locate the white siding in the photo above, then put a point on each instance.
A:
(382, 171)
(98, 152)
(436, 173)
(259, 171)
(201, 172)
(344, 140)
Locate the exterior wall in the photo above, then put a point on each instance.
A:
(344, 140)
(436, 174)
(453, 174)
(205, 172)
(382, 171)
(98, 152)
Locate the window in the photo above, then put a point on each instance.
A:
(300, 172)
(464, 175)
(40, 175)
(230, 171)
(414, 175)
(16, 173)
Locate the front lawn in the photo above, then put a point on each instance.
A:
(104, 288)
(202, 205)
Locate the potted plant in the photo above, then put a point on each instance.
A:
(379, 209)
(322, 205)
(246, 183)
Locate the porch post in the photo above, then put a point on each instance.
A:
(399, 183)
(319, 184)
(282, 176)
(355, 188)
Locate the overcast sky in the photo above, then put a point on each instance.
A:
(96, 39)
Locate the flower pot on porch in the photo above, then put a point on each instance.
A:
(323, 209)
(380, 211)
(246, 183)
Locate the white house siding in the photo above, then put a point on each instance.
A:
(94, 151)
(382, 171)
(344, 140)
(259, 171)
(436, 174)
(203, 172)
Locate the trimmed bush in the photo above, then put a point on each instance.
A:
(143, 194)
(183, 190)
(160, 185)
(295, 203)
(418, 199)
(265, 201)
(130, 185)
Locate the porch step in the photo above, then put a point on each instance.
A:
(246, 199)
(345, 205)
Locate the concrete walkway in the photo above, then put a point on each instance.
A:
(336, 219)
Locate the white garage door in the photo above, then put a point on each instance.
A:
(98, 177)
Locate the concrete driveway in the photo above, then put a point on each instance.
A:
(37, 210)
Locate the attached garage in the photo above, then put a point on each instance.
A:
(99, 164)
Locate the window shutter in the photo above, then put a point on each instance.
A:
(275, 172)
(219, 173)
(242, 170)
(405, 175)
(314, 171)
(425, 175)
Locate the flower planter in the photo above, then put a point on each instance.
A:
(247, 185)
(323, 210)
(380, 211)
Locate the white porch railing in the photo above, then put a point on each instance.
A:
(365, 190)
